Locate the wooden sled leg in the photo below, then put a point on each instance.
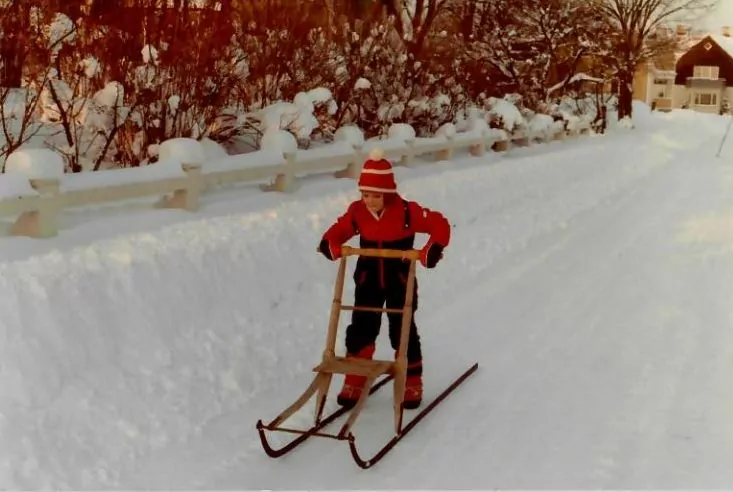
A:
(324, 383)
(318, 382)
(344, 432)
(400, 364)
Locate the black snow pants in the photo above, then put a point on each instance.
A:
(377, 288)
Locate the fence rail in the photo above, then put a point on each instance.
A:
(36, 207)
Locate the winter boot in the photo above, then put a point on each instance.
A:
(412, 397)
(353, 385)
(413, 386)
(413, 392)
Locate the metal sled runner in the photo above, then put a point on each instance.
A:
(382, 370)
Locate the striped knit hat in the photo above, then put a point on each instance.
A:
(376, 174)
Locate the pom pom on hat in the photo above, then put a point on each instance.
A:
(376, 154)
(376, 174)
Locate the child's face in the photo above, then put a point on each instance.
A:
(373, 200)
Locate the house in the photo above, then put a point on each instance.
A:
(699, 77)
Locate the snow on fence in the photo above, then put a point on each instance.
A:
(35, 191)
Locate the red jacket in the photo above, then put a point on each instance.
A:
(400, 220)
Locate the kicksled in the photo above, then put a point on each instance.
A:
(378, 374)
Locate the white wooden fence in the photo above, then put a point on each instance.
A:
(39, 203)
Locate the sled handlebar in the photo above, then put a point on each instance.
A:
(409, 254)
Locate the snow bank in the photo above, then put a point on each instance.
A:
(95, 376)
(640, 107)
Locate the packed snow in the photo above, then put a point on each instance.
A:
(35, 164)
(591, 279)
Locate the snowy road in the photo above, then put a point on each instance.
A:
(592, 284)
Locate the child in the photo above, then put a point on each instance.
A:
(383, 219)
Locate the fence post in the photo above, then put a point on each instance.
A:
(490, 140)
(285, 182)
(500, 145)
(42, 222)
(478, 149)
(407, 158)
(446, 153)
(186, 198)
(521, 139)
(353, 168)
(194, 186)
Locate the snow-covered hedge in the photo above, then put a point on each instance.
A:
(101, 105)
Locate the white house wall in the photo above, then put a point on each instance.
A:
(680, 96)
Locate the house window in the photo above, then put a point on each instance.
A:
(706, 99)
(703, 72)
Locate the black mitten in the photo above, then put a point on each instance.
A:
(434, 255)
(325, 249)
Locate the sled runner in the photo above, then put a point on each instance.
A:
(382, 370)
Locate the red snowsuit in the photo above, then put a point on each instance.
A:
(379, 280)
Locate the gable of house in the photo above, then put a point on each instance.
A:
(712, 51)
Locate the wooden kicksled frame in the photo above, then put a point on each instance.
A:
(391, 370)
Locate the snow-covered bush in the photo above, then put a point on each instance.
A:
(278, 140)
(34, 42)
(81, 110)
(170, 98)
(542, 125)
(385, 80)
(447, 130)
(300, 116)
(504, 114)
(581, 110)
(109, 97)
(467, 117)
